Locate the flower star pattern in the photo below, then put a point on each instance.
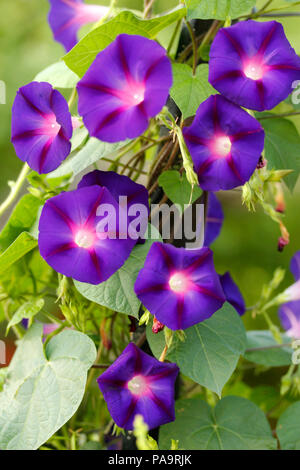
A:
(126, 85)
(138, 384)
(225, 143)
(180, 287)
(253, 64)
(72, 243)
(41, 126)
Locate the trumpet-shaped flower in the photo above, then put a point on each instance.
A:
(127, 84)
(80, 240)
(66, 17)
(132, 197)
(225, 143)
(289, 312)
(179, 286)
(41, 127)
(232, 293)
(138, 384)
(214, 219)
(253, 64)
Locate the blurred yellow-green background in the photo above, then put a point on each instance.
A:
(248, 242)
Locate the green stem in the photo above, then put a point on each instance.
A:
(15, 188)
(93, 369)
(175, 32)
(194, 43)
(148, 6)
(277, 116)
(72, 98)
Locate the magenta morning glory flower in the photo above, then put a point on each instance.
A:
(134, 196)
(253, 64)
(41, 127)
(67, 16)
(225, 143)
(214, 219)
(289, 312)
(127, 84)
(179, 286)
(232, 293)
(138, 384)
(77, 242)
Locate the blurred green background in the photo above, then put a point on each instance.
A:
(248, 242)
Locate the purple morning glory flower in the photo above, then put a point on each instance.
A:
(121, 186)
(77, 242)
(41, 127)
(179, 286)
(253, 64)
(289, 312)
(67, 16)
(232, 293)
(48, 328)
(138, 384)
(225, 143)
(214, 219)
(127, 84)
(295, 265)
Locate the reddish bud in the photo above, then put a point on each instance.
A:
(261, 163)
(157, 326)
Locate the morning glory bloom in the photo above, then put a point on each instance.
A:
(67, 16)
(79, 240)
(295, 265)
(41, 127)
(48, 328)
(214, 219)
(225, 143)
(289, 312)
(131, 196)
(179, 286)
(138, 384)
(232, 293)
(292, 293)
(289, 315)
(253, 64)
(126, 85)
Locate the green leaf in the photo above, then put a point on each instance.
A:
(83, 54)
(266, 351)
(58, 75)
(188, 90)
(217, 9)
(79, 136)
(177, 188)
(93, 151)
(234, 424)
(288, 428)
(28, 310)
(44, 388)
(117, 293)
(21, 219)
(19, 248)
(282, 147)
(211, 350)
